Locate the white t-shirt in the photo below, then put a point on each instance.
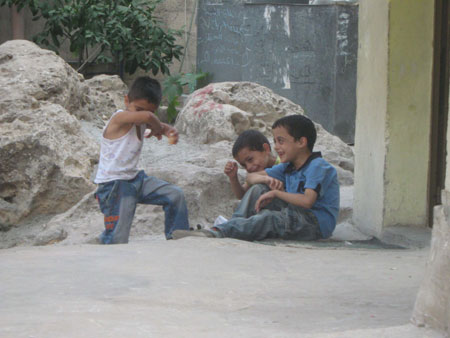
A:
(119, 158)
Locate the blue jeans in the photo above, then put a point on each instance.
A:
(118, 200)
(277, 220)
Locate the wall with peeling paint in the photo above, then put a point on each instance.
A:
(409, 110)
(304, 53)
(393, 114)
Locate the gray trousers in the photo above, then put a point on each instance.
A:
(277, 220)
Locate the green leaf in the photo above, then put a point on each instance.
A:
(191, 79)
(172, 111)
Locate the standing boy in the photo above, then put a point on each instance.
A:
(121, 185)
(297, 199)
(252, 151)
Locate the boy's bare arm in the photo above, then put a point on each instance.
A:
(238, 189)
(167, 130)
(262, 177)
(122, 122)
(258, 177)
(305, 200)
(231, 170)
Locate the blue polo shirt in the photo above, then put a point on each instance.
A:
(316, 174)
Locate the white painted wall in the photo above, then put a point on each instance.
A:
(370, 137)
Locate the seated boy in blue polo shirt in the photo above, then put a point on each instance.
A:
(296, 200)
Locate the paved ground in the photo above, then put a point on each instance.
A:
(198, 287)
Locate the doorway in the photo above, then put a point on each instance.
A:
(440, 96)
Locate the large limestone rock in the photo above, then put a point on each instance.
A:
(46, 163)
(31, 76)
(106, 95)
(46, 160)
(221, 111)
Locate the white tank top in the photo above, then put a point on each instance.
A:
(119, 158)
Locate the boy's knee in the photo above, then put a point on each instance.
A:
(258, 189)
(176, 194)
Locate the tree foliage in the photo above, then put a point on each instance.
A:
(174, 86)
(125, 31)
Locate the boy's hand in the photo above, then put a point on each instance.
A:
(171, 133)
(157, 130)
(151, 133)
(264, 199)
(231, 169)
(274, 184)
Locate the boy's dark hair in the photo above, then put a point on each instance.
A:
(251, 139)
(298, 126)
(144, 87)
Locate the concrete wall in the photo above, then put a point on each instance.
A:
(31, 28)
(177, 14)
(393, 114)
(432, 307)
(409, 112)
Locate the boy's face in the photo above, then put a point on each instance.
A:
(253, 160)
(140, 105)
(286, 146)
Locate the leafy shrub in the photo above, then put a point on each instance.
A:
(125, 31)
(174, 86)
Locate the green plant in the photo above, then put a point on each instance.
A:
(175, 85)
(125, 31)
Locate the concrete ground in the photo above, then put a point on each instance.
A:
(197, 287)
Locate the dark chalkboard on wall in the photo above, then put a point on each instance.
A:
(219, 39)
(306, 53)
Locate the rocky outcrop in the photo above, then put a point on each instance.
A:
(221, 111)
(31, 76)
(46, 160)
(106, 95)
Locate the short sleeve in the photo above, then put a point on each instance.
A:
(277, 172)
(318, 176)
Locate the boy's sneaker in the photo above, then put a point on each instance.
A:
(220, 220)
(177, 234)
